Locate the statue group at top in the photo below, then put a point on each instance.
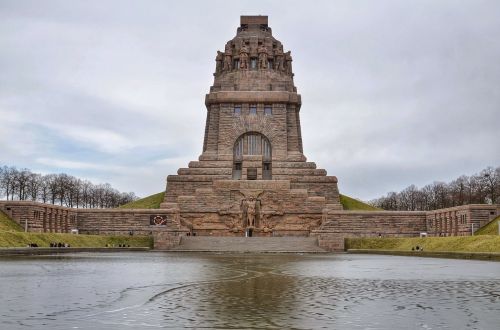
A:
(254, 48)
(281, 61)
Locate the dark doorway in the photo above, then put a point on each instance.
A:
(250, 232)
(251, 173)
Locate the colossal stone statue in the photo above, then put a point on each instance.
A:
(288, 62)
(227, 57)
(218, 61)
(279, 59)
(244, 57)
(262, 50)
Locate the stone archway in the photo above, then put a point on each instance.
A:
(252, 144)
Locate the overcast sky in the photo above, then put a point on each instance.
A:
(394, 92)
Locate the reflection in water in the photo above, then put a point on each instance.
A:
(257, 298)
(146, 290)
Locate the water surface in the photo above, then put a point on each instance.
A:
(144, 290)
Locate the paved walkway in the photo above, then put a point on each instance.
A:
(249, 244)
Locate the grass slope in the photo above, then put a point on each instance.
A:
(7, 224)
(482, 243)
(153, 202)
(21, 239)
(491, 228)
(351, 204)
(150, 202)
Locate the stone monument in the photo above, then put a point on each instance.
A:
(252, 173)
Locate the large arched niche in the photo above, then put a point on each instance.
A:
(252, 144)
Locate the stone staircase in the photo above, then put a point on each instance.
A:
(249, 244)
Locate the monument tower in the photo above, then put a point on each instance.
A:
(252, 177)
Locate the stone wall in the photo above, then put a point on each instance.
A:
(124, 221)
(374, 223)
(56, 219)
(40, 217)
(460, 220)
(455, 221)
(306, 216)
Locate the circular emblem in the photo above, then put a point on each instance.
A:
(159, 220)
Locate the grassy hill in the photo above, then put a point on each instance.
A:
(351, 204)
(477, 243)
(489, 229)
(7, 224)
(150, 202)
(153, 202)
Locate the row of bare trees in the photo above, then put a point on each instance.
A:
(61, 189)
(481, 188)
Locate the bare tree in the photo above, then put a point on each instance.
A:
(479, 188)
(60, 188)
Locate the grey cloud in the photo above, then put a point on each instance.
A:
(394, 92)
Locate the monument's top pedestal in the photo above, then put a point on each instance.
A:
(251, 21)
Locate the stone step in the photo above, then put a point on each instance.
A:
(249, 244)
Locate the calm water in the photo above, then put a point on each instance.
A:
(158, 290)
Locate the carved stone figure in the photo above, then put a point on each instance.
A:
(227, 58)
(251, 209)
(218, 61)
(288, 62)
(244, 57)
(262, 50)
(279, 59)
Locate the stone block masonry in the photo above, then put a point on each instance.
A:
(333, 225)
(46, 218)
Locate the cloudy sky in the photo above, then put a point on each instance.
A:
(394, 92)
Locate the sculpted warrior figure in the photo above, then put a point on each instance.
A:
(251, 208)
(288, 62)
(218, 61)
(227, 57)
(262, 50)
(279, 58)
(244, 57)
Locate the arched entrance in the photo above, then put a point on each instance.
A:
(252, 144)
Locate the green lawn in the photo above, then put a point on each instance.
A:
(21, 239)
(480, 243)
(153, 202)
(490, 228)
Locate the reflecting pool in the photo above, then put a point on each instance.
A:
(241, 291)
